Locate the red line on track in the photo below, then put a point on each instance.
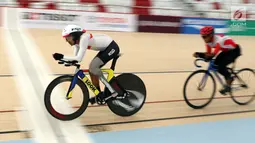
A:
(151, 102)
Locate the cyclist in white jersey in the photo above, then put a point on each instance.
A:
(81, 41)
(226, 51)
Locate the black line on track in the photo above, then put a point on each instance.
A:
(148, 120)
(170, 118)
(7, 75)
(13, 132)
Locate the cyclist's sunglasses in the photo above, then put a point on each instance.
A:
(205, 36)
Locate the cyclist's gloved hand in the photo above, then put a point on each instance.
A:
(58, 56)
(195, 54)
(74, 62)
(199, 55)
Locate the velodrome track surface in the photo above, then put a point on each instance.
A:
(163, 61)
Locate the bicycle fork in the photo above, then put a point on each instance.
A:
(74, 81)
(203, 82)
(71, 87)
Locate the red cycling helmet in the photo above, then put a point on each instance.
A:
(207, 30)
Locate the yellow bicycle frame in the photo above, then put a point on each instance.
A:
(87, 82)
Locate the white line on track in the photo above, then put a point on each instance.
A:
(71, 130)
(32, 80)
(42, 130)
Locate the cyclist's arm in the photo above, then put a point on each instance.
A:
(82, 49)
(208, 49)
(217, 49)
(75, 52)
(230, 42)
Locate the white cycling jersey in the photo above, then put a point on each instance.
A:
(96, 42)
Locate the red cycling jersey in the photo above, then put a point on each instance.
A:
(220, 43)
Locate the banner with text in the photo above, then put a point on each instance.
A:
(49, 19)
(193, 25)
(109, 21)
(244, 28)
(158, 24)
(56, 19)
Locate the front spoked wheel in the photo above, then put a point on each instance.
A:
(57, 104)
(135, 98)
(243, 87)
(199, 89)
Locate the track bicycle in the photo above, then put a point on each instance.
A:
(238, 84)
(130, 88)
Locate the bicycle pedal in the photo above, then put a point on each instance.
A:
(92, 101)
(244, 86)
(101, 102)
(97, 100)
(223, 93)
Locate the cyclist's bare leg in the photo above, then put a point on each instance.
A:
(229, 81)
(97, 75)
(95, 81)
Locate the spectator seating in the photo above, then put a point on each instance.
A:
(210, 8)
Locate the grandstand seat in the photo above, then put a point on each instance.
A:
(76, 6)
(96, 2)
(43, 5)
(51, 5)
(118, 6)
(212, 8)
(24, 3)
(145, 4)
(216, 5)
(166, 7)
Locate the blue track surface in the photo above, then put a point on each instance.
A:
(229, 131)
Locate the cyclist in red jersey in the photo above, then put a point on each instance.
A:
(226, 52)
